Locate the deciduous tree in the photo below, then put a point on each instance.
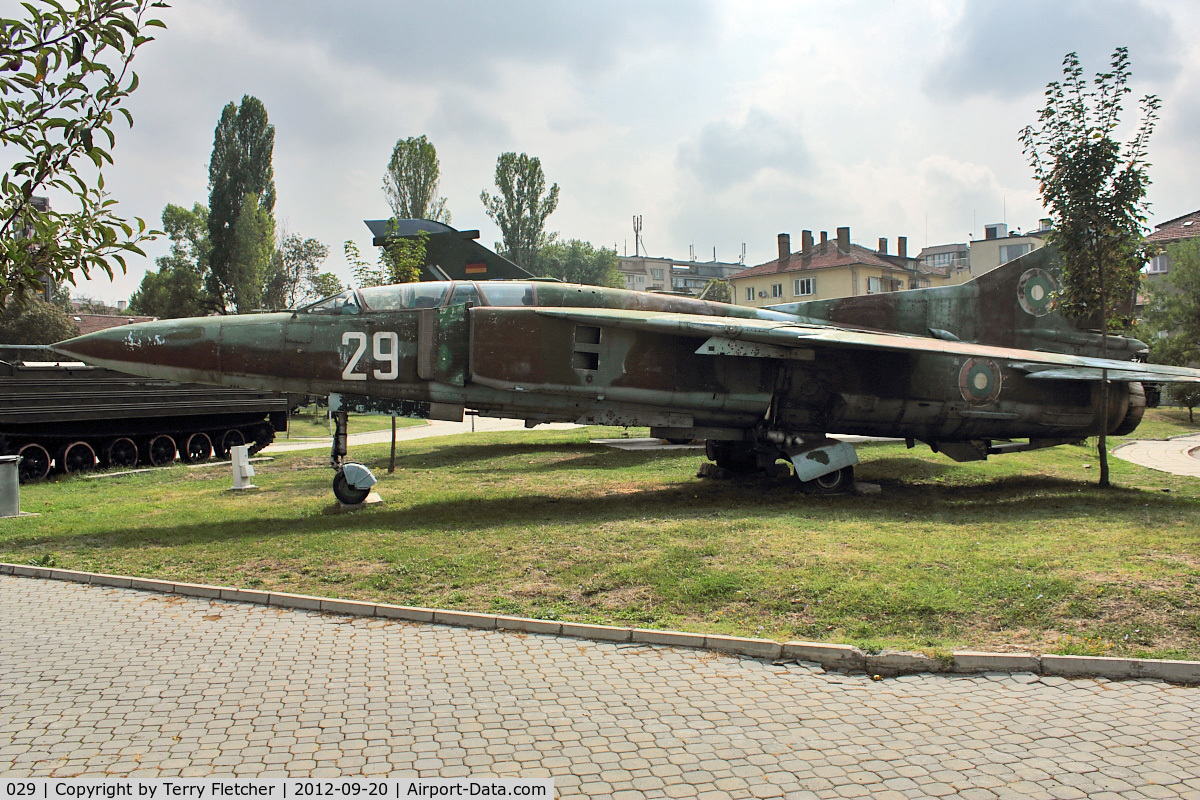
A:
(35, 322)
(243, 143)
(177, 288)
(411, 181)
(64, 78)
(400, 260)
(575, 261)
(521, 207)
(1094, 189)
(718, 291)
(296, 275)
(1173, 308)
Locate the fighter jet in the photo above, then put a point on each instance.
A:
(984, 368)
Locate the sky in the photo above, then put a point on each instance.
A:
(721, 123)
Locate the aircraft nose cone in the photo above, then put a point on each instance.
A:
(186, 350)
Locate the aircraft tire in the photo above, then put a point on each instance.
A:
(345, 493)
(833, 483)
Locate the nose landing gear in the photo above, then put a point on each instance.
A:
(353, 481)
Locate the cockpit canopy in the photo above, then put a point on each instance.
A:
(435, 294)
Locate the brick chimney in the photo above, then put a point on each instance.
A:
(843, 235)
(883, 245)
(902, 246)
(806, 243)
(785, 246)
(824, 237)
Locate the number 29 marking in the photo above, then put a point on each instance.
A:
(387, 355)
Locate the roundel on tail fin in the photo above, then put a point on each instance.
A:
(1035, 292)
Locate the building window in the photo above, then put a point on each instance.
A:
(749, 294)
(874, 285)
(1158, 264)
(804, 286)
(657, 273)
(1010, 251)
(776, 290)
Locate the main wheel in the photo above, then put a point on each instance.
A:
(196, 448)
(34, 464)
(75, 457)
(733, 456)
(119, 453)
(833, 483)
(230, 439)
(159, 450)
(346, 493)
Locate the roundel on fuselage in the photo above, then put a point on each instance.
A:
(979, 380)
(1035, 292)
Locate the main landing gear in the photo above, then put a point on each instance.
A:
(353, 481)
(821, 465)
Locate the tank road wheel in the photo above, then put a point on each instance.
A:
(75, 457)
(196, 448)
(34, 464)
(229, 440)
(346, 493)
(119, 453)
(158, 451)
(833, 483)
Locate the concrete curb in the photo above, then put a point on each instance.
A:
(840, 657)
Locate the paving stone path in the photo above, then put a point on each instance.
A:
(1177, 455)
(115, 682)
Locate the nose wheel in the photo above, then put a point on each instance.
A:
(345, 493)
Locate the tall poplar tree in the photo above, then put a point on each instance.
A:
(411, 181)
(1094, 189)
(240, 166)
(521, 207)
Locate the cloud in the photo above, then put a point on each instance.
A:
(1006, 48)
(726, 154)
(466, 40)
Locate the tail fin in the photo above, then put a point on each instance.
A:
(449, 254)
(1010, 306)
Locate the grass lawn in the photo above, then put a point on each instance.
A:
(1020, 552)
(305, 425)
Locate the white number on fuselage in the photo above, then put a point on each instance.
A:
(348, 374)
(391, 357)
(386, 351)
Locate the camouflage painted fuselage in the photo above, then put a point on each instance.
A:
(546, 351)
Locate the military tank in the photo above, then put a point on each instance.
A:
(68, 417)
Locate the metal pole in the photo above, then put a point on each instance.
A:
(392, 460)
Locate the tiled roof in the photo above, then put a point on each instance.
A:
(823, 256)
(90, 323)
(1185, 227)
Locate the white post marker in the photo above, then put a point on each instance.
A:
(242, 470)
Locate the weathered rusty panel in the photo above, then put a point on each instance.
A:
(443, 345)
(516, 347)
